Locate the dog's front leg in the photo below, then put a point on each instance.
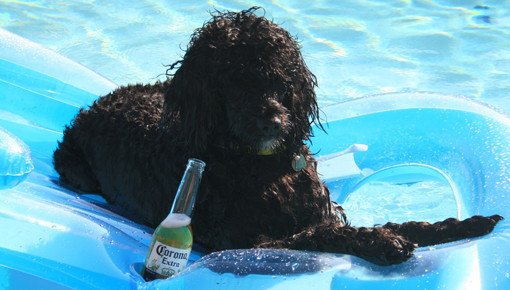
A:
(378, 245)
(449, 230)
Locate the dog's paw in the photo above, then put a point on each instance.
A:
(382, 247)
(480, 225)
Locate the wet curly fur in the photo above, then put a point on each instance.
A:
(241, 89)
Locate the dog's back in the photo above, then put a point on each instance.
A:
(105, 137)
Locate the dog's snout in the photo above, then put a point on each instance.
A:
(271, 126)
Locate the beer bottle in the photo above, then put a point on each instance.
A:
(172, 240)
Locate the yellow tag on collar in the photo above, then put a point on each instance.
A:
(265, 152)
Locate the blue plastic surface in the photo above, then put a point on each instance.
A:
(15, 160)
(53, 238)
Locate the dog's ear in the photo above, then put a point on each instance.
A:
(191, 103)
(308, 86)
(304, 101)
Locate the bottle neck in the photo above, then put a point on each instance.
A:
(186, 193)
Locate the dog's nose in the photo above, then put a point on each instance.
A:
(270, 127)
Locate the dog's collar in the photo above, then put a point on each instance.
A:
(266, 152)
(298, 161)
(231, 146)
(251, 150)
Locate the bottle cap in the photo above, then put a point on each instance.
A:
(196, 164)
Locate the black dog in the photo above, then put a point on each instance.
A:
(241, 99)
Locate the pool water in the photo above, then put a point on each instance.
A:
(356, 48)
(380, 202)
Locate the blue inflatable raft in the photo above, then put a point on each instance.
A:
(53, 238)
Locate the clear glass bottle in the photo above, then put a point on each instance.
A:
(172, 240)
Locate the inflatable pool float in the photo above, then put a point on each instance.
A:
(54, 238)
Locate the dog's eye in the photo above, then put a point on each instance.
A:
(288, 102)
(285, 96)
